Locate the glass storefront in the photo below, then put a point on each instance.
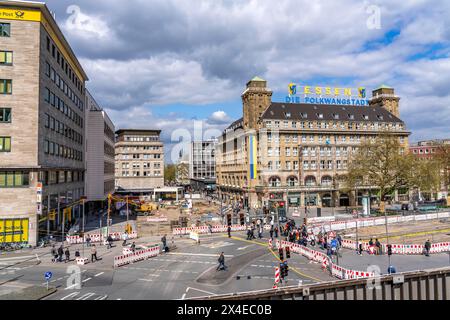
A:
(311, 199)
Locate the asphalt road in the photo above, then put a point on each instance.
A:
(186, 272)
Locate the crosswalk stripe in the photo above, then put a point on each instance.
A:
(86, 296)
(73, 294)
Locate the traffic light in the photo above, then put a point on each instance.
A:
(282, 271)
(280, 252)
(389, 249)
(286, 269)
(288, 252)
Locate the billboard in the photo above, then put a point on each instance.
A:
(14, 230)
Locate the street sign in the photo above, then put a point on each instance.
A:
(47, 276)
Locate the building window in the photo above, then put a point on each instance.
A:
(13, 179)
(5, 86)
(6, 57)
(5, 144)
(5, 30)
(5, 115)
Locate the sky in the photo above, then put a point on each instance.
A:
(173, 65)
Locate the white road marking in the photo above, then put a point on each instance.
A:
(73, 294)
(86, 296)
(188, 288)
(101, 297)
(16, 258)
(86, 279)
(100, 273)
(199, 254)
(67, 288)
(243, 248)
(60, 278)
(148, 280)
(119, 299)
(183, 296)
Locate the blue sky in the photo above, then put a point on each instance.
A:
(163, 63)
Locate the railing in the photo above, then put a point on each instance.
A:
(413, 285)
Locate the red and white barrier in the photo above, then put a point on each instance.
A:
(96, 237)
(136, 256)
(81, 261)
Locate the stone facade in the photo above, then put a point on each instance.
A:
(100, 153)
(299, 160)
(139, 160)
(30, 129)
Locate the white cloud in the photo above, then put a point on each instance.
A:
(219, 117)
(163, 52)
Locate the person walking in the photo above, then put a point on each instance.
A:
(93, 253)
(88, 241)
(427, 247)
(276, 231)
(124, 237)
(164, 242)
(133, 247)
(378, 246)
(54, 254)
(67, 254)
(260, 231)
(229, 231)
(60, 253)
(109, 240)
(271, 232)
(221, 261)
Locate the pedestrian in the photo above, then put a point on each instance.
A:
(260, 232)
(371, 242)
(88, 241)
(77, 254)
(164, 242)
(378, 246)
(133, 247)
(339, 239)
(221, 261)
(60, 253)
(67, 254)
(229, 231)
(271, 232)
(276, 231)
(109, 241)
(94, 253)
(54, 254)
(360, 249)
(427, 247)
(124, 237)
(248, 233)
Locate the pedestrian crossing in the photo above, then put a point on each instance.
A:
(84, 296)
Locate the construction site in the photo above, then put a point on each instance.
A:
(159, 218)
(411, 232)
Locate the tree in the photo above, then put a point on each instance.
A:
(382, 163)
(425, 174)
(443, 160)
(169, 173)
